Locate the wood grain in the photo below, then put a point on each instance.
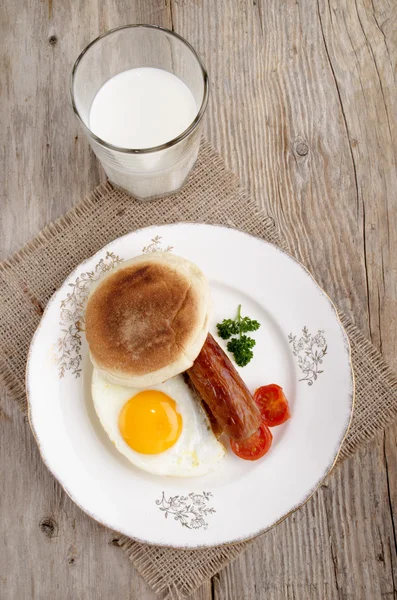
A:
(303, 108)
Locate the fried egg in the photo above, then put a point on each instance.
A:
(162, 429)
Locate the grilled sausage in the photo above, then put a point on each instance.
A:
(216, 428)
(222, 389)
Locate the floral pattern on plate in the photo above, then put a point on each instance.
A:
(189, 510)
(72, 315)
(310, 351)
(155, 246)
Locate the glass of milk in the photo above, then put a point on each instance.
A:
(140, 93)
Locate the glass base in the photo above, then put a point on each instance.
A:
(156, 196)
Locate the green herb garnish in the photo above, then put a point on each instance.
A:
(241, 346)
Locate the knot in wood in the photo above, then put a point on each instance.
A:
(52, 40)
(49, 527)
(302, 149)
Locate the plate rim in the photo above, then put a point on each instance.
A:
(311, 492)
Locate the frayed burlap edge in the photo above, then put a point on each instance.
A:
(14, 385)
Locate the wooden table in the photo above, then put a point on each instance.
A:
(303, 108)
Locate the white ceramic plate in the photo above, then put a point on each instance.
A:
(301, 346)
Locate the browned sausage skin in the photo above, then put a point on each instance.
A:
(216, 428)
(222, 389)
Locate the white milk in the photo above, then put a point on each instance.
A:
(142, 108)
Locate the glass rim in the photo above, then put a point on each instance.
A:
(193, 125)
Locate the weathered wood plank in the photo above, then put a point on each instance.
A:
(49, 548)
(299, 158)
(303, 108)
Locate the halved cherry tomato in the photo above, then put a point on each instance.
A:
(273, 404)
(255, 446)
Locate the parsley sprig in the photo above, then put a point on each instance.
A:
(241, 346)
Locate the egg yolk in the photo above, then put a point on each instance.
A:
(149, 422)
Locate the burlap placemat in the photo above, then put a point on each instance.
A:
(213, 195)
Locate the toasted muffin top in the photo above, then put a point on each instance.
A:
(147, 320)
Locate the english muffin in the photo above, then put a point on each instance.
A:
(147, 320)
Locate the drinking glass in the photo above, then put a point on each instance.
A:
(146, 173)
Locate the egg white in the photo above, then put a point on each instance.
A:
(196, 452)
